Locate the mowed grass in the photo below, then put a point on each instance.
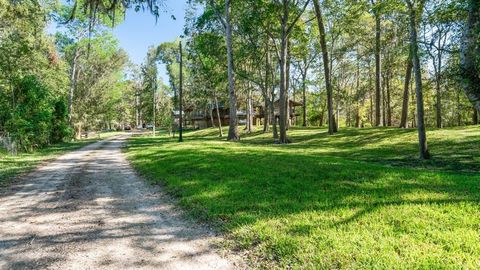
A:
(358, 199)
(13, 165)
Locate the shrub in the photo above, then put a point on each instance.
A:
(37, 119)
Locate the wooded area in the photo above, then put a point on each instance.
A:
(309, 134)
(349, 63)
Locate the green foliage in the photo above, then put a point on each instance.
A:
(356, 200)
(37, 119)
(60, 128)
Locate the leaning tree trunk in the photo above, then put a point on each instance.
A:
(406, 94)
(326, 67)
(470, 54)
(233, 134)
(422, 137)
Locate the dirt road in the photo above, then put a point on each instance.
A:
(89, 210)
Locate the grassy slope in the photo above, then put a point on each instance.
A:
(330, 201)
(23, 162)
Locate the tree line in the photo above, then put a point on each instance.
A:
(370, 63)
(404, 63)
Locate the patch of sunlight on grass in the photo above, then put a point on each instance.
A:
(358, 199)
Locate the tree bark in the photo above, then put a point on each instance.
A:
(304, 98)
(438, 79)
(377, 66)
(73, 84)
(233, 134)
(266, 118)
(326, 67)
(389, 101)
(469, 54)
(406, 94)
(422, 137)
(384, 103)
(283, 76)
(220, 131)
(287, 86)
(210, 111)
(249, 112)
(272, 105)
(180, 95)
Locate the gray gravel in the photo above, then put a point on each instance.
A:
(89, 210)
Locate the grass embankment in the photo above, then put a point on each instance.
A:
(11, 166)
(358, 199)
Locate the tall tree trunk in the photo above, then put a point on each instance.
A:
(357, 91)
(438, 103)
(371, 94)
(272, 106)
(422, 137)
(220, 131)
(210, 112)
(337, 109)
(137, 106)
(233, 134)
(287, 86)
(384, 103)
(470, 53)
(326, 67)
(438, 81)
(322, 114)
(459, 110)
(406, 94)
(304, 98)
(180, 95)
(377, 67)
(73, 84)
(283, 77)
(249, 111)
(266, 118)
(389, 101)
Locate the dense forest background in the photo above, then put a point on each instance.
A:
(399, 63)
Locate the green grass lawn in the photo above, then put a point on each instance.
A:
(358, 199)
(22, 162)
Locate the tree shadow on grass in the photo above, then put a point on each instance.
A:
(251, 186)
(75, 208)
(369, 145)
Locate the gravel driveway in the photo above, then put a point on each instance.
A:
(89, 210)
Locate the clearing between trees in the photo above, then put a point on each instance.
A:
(358, 199)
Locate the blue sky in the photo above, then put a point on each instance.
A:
(139, 31)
